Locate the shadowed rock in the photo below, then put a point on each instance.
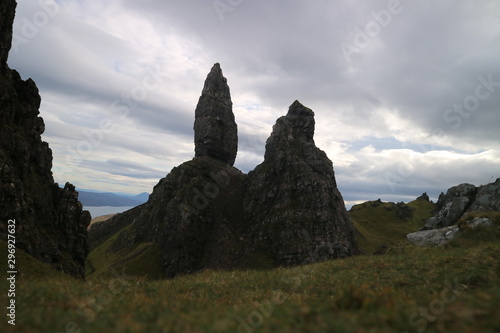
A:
(50, 222)
(215, 131)
(296, 213)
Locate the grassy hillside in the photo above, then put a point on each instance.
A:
(142, 260)
(101, 218)
(381, 224)
(408, 289)
(378, 226)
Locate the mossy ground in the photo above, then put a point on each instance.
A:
(454, 288)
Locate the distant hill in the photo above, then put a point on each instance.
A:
(96, 199)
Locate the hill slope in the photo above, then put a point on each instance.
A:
(378, 226)
(409, 289)
(381, 224)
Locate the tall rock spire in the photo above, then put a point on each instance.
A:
(292, 201)
(215, 131)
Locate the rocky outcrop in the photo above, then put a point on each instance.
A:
(454, 206)
(438, 237)
(487, 198)
(50, 222)
(215, 131)
(464, 198)
(296, 213)
(423, 197)
(434, 237)
(194, 216)
(207, 214)
(194, 213)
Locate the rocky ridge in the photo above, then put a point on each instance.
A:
(464, 198)
(458, 202)
(50, 222)
(207, 214)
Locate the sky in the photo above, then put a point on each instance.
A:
(406, 94)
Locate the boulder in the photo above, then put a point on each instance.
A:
(434, 237)
(438, 237)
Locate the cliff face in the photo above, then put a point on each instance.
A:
(207, 214)
(50, 223)
(292, 203)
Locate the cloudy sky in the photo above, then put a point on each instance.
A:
(406, 93)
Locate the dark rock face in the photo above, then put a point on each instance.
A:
(190, 210)
(296, 213)
(7, 13)
(50, 223)
(215, 131)
(207, 214)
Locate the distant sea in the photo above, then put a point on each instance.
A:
(105, 210)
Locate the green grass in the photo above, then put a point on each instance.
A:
(143, 260)
(378, 225)
(457, 287)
